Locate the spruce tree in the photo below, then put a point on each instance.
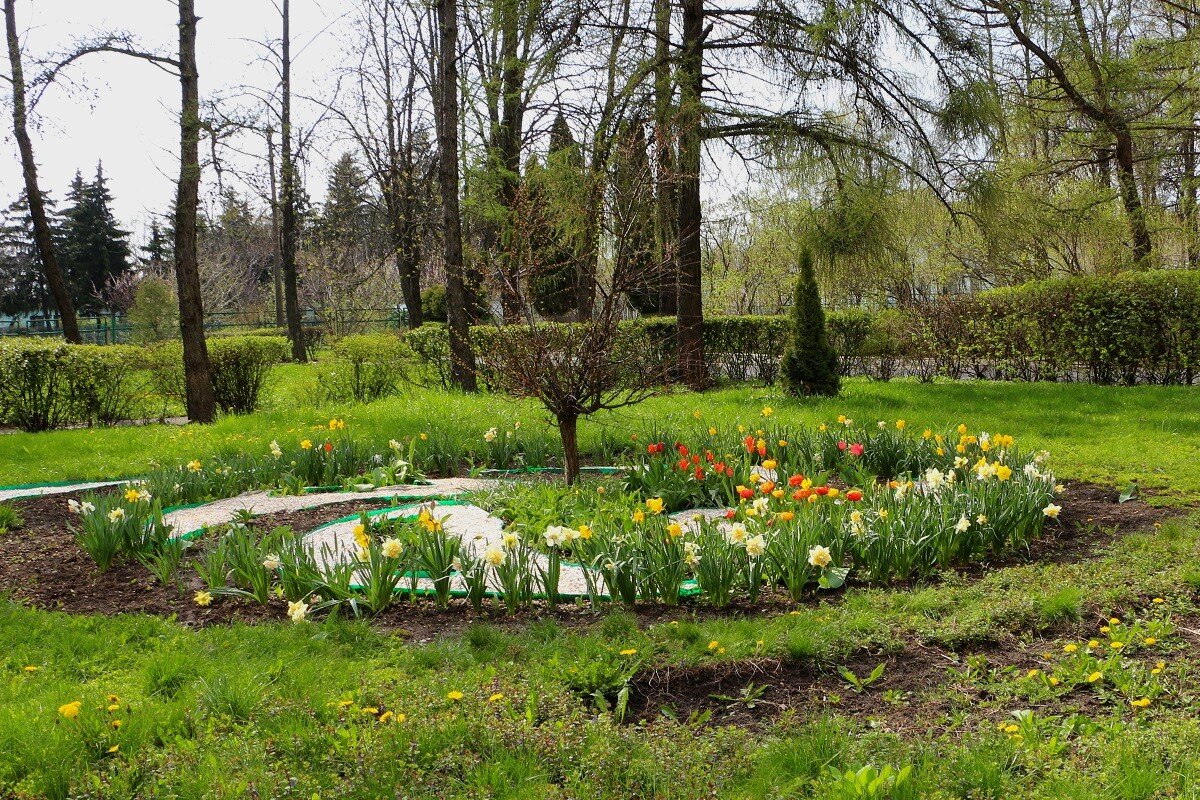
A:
(810, 365)
(23, 285)
(94, 247)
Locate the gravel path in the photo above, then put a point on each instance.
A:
(40, 491)
(188, 520)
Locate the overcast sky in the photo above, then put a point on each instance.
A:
(123, 111)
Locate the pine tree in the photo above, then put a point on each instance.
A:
(94, 248)
(158, 253)
(810, 365)
(23, 284)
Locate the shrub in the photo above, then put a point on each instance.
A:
(46, 384)
(433, 303)
(154, 316)
(240, 366)
(34, 391)
(10, 518)
(367, 367)
(809, 364)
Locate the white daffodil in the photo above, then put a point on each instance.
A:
(819, 556)
(298, 611)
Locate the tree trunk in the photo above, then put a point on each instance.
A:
(37, 207)
(1187, 199)
(568, 429)
(197, 373)
(276, 254)
(288, 178)
(664, 148)
(1126, 178)
(402, 243)
(690, 313)
(462, 367)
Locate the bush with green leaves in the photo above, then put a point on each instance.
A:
(10, 518)
(154, 315)
(46, 383)
(240, 367)
(367, 367)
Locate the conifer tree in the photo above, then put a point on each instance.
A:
(94, 247)
(810, 365)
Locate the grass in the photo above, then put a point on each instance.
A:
(340, 709)
(311, 709)
(1104, 434)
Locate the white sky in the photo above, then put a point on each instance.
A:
(124, 110)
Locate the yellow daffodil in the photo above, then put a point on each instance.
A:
(655, 505)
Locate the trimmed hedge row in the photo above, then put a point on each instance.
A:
(48, 384)
(1134, 327)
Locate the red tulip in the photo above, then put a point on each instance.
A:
(854, 495)
(699, 473)
(822, 490)
(842, 445)
(856, 449)
(795, 480)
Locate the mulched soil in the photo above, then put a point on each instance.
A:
(41, 565)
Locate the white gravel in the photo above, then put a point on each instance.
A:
(40, 491)
(475, 527)
(189, 520)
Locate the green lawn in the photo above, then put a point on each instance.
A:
(1011, 682)
(314, 709)
(1103, 434)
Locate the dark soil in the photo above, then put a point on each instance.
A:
(41, 565)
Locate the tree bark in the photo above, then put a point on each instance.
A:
(512, 124)
(1130, 197)
(37, 207)
(198, 377)
(276, 254)
(690, 313)
(666, 203)
(288, 179)
(1188, 182)
(462, 367)
(568, 430)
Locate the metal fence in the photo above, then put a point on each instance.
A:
(116, 328)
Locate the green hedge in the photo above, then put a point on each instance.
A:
(1126, 328)
(366, 367)
(240, 367)
(48, 384)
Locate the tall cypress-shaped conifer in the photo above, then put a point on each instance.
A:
(810, 365)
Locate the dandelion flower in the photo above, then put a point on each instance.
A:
(454, 696)
(71, 710)
(1070, 648)
(1158, 601)
(629, 651)
(714, 644)
(1142, 703)
(1095, 676)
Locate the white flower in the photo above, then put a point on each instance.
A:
(1051, 511)
(760, 505)
(555, 536)
(691, 554)
(392, 443)
(960, 462)
(934, 478)
(490, 436)
(116, 515)
(275, 450)
(143, 496)
(391, 548)
(86, 507)
(819, 556)
(984, 470)
(73, 506)
(963, 524)
(571, 534)
(736, 534)
(495, 556)
(298, 611)
(272, 562)
(882, 425)
(981, 519)
(511, 540)
(1031, 470)
(756, 546)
